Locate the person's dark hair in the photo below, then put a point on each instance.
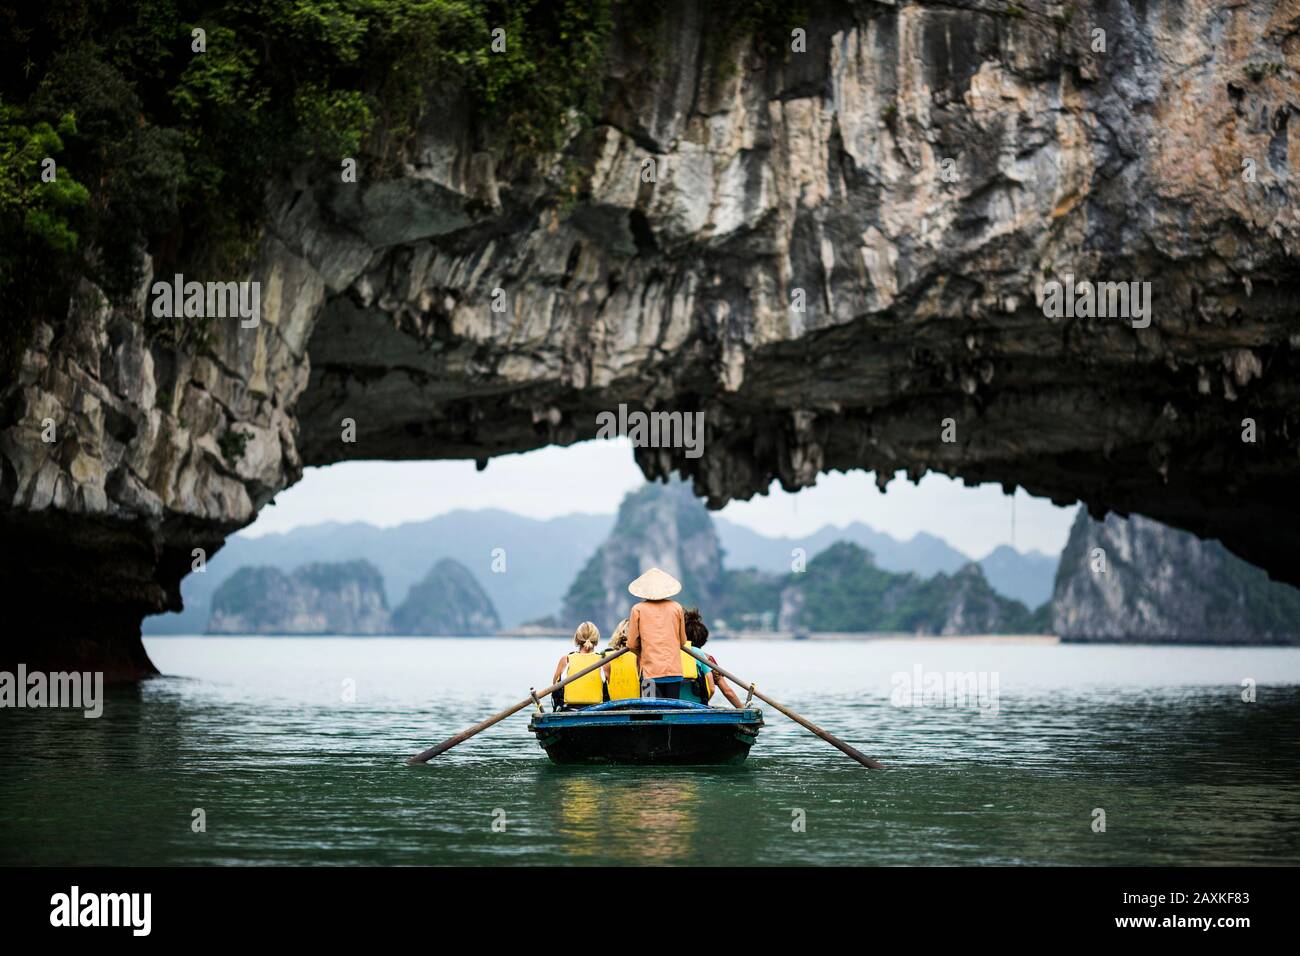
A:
(696, 632)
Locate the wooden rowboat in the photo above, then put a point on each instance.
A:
(645, 731)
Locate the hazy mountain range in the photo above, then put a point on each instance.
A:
(839, 588)
(541, 558)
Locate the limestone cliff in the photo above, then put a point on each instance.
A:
(1133, 579)
(345, 598)
(838, 250)
(659, 525)
(448, 601)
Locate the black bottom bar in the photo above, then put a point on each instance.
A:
(331, 905)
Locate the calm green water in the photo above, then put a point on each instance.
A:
(258, 733)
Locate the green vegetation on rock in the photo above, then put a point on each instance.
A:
(174, 141)
(843, 590)
(168, 118)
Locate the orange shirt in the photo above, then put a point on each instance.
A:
(656, 632)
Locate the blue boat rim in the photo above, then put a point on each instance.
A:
(656, 710)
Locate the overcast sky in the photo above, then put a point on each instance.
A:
(593, 477)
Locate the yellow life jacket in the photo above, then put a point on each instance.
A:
(585, 690)
(690, 666)
(624, 678)
(691, 671)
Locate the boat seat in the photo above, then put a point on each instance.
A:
(644, 703)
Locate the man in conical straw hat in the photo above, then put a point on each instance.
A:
(656, 633)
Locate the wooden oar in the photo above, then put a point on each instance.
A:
(464, 735)
(853, 752)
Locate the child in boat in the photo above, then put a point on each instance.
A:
(622, 676)
(587, 690)
(696, 635)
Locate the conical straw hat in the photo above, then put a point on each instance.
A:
(655, 585)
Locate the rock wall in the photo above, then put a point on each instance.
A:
(817, 179)
(1133, 579)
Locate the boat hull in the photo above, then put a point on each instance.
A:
(648, 732)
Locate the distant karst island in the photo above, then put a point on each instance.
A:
(348, 598)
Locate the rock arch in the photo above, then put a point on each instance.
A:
(822, 178)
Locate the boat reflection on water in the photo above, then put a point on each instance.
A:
(645, 818)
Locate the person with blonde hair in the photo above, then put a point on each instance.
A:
(586, 690)
(622, 676)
